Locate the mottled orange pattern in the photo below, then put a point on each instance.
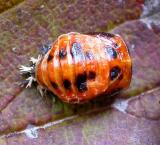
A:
(80, 67)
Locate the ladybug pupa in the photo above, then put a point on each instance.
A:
(79, 67)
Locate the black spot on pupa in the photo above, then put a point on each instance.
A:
(102, 34)
(89, 55)
(77, 52)
(67, 84)
(81, 82)
(50, 57)
(116, 45)
(54, 85)
(91, 75)
(109, 35)
(114, 72)
(62, 53)
(111, 52)
(45, 48)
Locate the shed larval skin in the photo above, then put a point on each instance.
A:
(80, 67)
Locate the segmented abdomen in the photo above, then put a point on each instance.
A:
(79, 67)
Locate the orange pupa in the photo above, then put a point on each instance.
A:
(79, 67)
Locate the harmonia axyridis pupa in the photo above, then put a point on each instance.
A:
(78, 67)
